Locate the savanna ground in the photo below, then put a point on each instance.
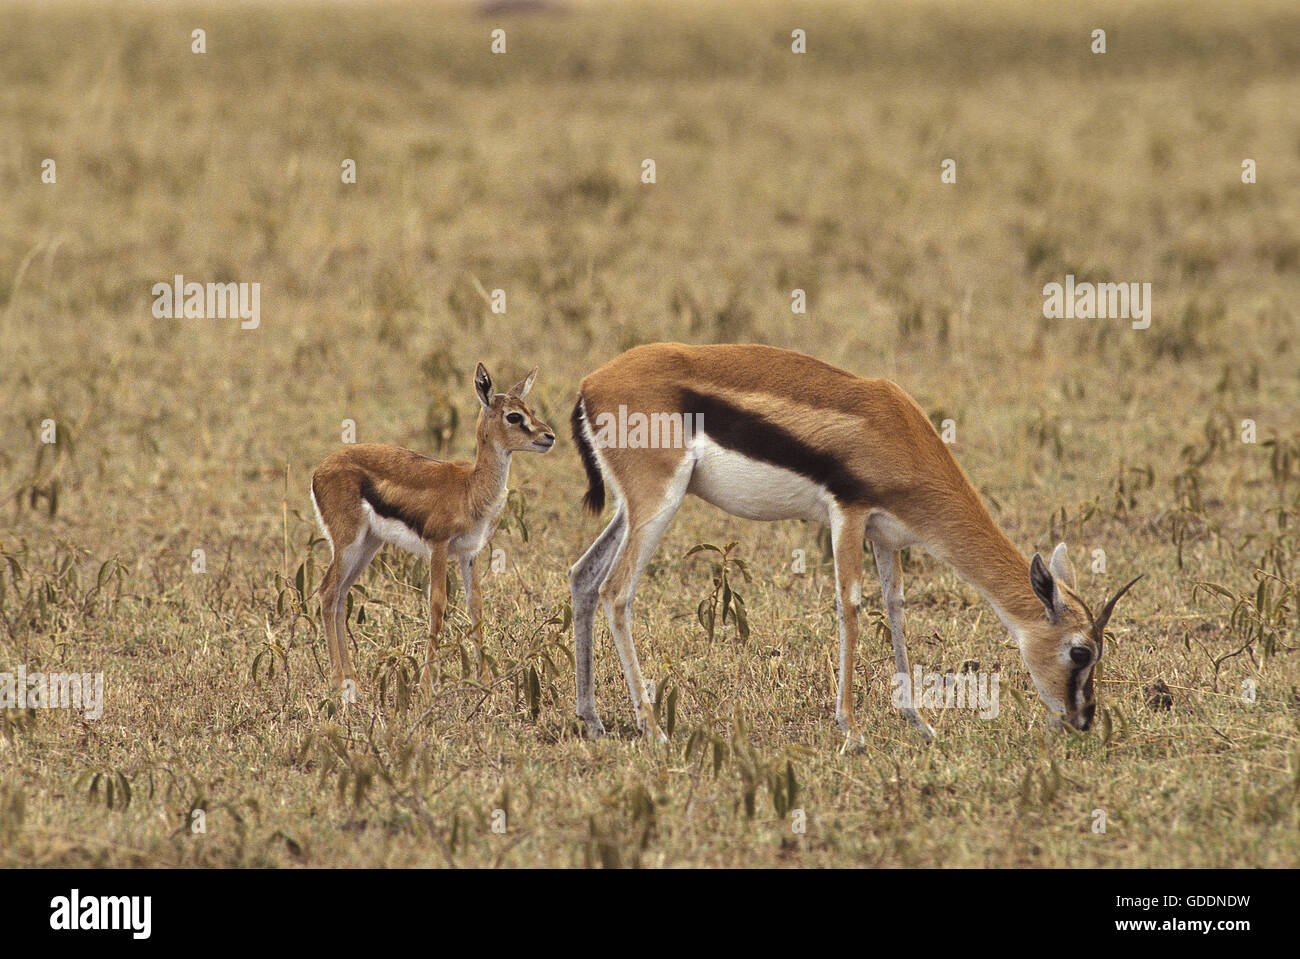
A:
(522, 172)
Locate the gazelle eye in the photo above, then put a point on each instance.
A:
(1081, 655)
(514, 418)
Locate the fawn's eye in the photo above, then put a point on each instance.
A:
(514, 418)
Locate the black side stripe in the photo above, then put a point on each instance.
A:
(758, 438)
(389, 510)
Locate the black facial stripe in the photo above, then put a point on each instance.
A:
(753, 436)
(389, 510)
(1075, 684)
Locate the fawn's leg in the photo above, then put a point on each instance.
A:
(437, 606)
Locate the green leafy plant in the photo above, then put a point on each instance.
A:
(723, 601)
(1262, 618)
(515, 513)
(1128, 482)
(753, 770)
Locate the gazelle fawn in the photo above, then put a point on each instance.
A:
(370, 494)
(769, 434)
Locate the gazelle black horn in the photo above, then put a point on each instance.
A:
(1110, 606)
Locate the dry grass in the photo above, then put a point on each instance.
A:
(520, 172)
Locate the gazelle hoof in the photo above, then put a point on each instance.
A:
(854, 742)
(347, 690)
(595, 728)
(925, 729)
(652, 732)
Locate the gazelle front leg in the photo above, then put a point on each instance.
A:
(471, 580)
(437, 606)
(847, 530)
(890, 565)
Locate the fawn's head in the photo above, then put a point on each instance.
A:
(506, 422)
(1062, 650)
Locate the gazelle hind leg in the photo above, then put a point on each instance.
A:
(890, 566)
(345, 567)
(584, 588)
(329, 592)
(355, 560)
(329, 597)
(648, 519)
(847, 530)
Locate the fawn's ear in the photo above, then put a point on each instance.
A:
(483, 386)
(520, 389)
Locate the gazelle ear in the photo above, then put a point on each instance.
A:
(483, 386)
(1060, 566)
(520, 389)
(1045, 589)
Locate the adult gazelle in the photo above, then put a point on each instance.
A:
(772, 434)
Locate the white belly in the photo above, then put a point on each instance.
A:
(753, 489)
(394, 531)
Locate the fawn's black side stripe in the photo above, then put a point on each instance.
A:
(758, 438)
(594, 500)
(389, 510)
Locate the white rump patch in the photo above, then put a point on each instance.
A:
(320, 521)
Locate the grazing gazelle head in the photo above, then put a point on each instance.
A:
(1062, 651)
(506, 421)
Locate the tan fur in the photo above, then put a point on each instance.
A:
(453, 506)
(883, 441)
